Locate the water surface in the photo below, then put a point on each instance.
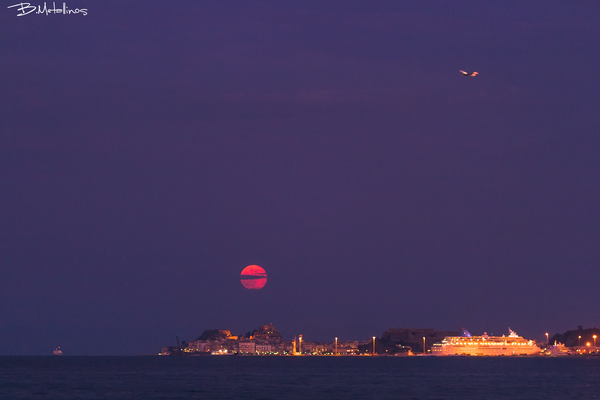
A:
(230, 377)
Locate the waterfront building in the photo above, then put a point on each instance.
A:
(247, 347)
(263, 348)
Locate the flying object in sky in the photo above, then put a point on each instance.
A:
(465, 73)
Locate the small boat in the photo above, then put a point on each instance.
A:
(58, 351)
(558, 350)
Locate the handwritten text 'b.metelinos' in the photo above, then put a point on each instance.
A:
(27, 8)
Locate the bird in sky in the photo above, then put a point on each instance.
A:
(465, 73)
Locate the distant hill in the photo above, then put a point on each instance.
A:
(213, 334)
(571, 338)
(413, 338)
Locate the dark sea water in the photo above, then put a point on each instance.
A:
(298, 378)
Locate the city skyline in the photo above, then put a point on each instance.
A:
(267, 340)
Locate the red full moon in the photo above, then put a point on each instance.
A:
(253, 277)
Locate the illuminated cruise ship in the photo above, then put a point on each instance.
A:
(511, 345)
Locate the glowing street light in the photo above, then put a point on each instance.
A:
(594, 340)
(547, 341)
(373, 345)
(579, 341)
(336, 346)
(423, 344)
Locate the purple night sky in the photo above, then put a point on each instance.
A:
(149, 151)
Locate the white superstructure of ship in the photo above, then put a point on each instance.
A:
(484, 345)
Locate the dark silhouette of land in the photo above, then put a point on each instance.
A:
(571, 338)
(394, 339)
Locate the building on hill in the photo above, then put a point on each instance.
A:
(268, 333)
(216, 334)
(213, 340)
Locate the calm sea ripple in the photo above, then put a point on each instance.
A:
(229, 377)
